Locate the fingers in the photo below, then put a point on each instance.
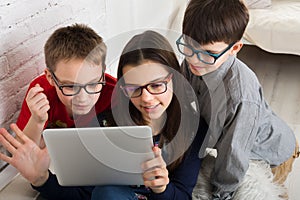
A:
(33, 91)
(19, 133)
(35, 95)
(38, 103)
(4, 157)
(156, 151)
(156, 179)
(157, 161)
(8, 141)
(156, 175)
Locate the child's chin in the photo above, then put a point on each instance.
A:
(195, 72)
(81, 111)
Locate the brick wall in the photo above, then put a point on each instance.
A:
(25, 25)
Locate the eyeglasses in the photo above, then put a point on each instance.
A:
(203, 56)
(133, 91)
(74, 89)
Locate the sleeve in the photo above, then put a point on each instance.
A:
(184, 178)
(25, 112)
(234, 148)
(51, 190)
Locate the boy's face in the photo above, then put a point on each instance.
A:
(199, 68)
(72, 72)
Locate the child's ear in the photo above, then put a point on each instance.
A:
(236, 47)
(49, 76)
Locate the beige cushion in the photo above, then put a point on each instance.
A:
(258, 4)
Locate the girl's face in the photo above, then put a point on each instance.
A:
(151, 106)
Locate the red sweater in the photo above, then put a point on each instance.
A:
(57, 115)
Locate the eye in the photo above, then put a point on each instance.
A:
(70, 87)
(92, 85)
(131, 88)
(156, 86)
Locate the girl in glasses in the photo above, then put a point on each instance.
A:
(151, 91)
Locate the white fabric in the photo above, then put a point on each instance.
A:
(257, 183)
(258, 3)
(276, 29)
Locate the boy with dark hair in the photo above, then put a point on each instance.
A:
(242, 127)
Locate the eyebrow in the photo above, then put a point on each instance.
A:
(153, 81)
(67, 82)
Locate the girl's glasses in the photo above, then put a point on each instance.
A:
(133, 91)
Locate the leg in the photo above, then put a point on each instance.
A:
(282, 171)
(112, 192)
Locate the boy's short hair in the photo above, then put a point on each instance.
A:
(75, 41)
(209, 21)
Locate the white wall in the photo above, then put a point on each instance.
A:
(26, 24)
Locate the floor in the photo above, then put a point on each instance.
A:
(280, 78)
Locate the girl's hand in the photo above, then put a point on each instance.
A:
(155, 172)
(38, 104)
(31, 161)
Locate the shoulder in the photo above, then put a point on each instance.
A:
(41, 80)
(242, 83)
(110, 80)
(109, 86)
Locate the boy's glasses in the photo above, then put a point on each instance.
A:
(133, 91)
(74, 89)
(203, 56)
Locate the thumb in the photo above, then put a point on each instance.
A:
(156, 150)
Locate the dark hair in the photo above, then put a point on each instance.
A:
(208, 21)
(152, 46)
(76, 41)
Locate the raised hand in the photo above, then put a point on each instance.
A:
(38, 104)
(155, 172)
(31, 161)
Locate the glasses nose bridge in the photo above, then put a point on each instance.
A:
(195, 56)
(145, 93)
(82, 91)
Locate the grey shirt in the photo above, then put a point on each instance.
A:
(242, 126)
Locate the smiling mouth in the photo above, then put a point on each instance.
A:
(196, 67)
(150, 108)
(80, 106)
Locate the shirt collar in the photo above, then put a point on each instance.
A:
(214, 79)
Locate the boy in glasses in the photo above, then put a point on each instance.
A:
(74, 87)
(242, 127)
(73, 91)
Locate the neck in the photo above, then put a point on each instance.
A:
(158, 124)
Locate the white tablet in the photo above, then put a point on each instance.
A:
(99, 156)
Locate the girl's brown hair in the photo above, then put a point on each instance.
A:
(152, 46)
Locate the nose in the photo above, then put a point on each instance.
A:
(82, 95)
(194, 59)
(146, 96)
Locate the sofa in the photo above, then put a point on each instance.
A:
(274, 25)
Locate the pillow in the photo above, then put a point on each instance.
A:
(258, 4)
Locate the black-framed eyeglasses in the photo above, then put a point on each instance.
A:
(74, 89)
(159, 87)
(203, 56)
